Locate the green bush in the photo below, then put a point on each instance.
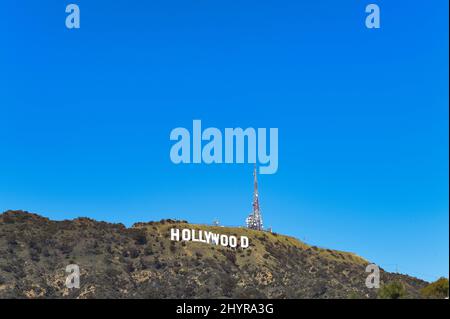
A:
(354, 295)
(393, 290)
(140, 238)
(437, 289)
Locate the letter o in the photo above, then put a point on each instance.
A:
(233, 241)
(224, 240)
(186, 234)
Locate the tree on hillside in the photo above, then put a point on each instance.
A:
(437, 289)
(393, 290)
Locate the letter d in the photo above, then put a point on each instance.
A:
(244, 242)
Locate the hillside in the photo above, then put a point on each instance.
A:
(142, 262)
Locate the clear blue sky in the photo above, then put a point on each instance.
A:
(85, 117)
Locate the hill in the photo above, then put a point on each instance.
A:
(142, 262)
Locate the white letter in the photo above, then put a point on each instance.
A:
(244, 241)
(186, 234)
(175, 234)
(184, 144)
(272, 158)
(224, 240)
(215, 239)
(200, 236)
(233, 241)
(208, 236)
(193, 235)
(215, 145)
(373, 19)
(73, 19)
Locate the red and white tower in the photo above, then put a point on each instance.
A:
(254, 220)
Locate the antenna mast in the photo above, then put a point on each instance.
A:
(254, 220)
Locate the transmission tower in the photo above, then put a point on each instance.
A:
(254, 220)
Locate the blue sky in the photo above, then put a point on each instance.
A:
(85, 117)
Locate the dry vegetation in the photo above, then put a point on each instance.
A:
(142, 262)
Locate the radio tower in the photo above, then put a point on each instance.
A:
(254, 220)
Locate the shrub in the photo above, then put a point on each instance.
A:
(130, 267)
(230, 256)
(134, 253)
(65, 248)
(393, 290)
(112, 273)
(354, 295)
(437, 289)
(159, 265)
(34, 256)
(140, 239)
(148, 251)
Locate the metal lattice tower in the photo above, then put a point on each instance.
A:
(254, 220)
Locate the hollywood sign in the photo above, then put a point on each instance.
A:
(208, 238)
